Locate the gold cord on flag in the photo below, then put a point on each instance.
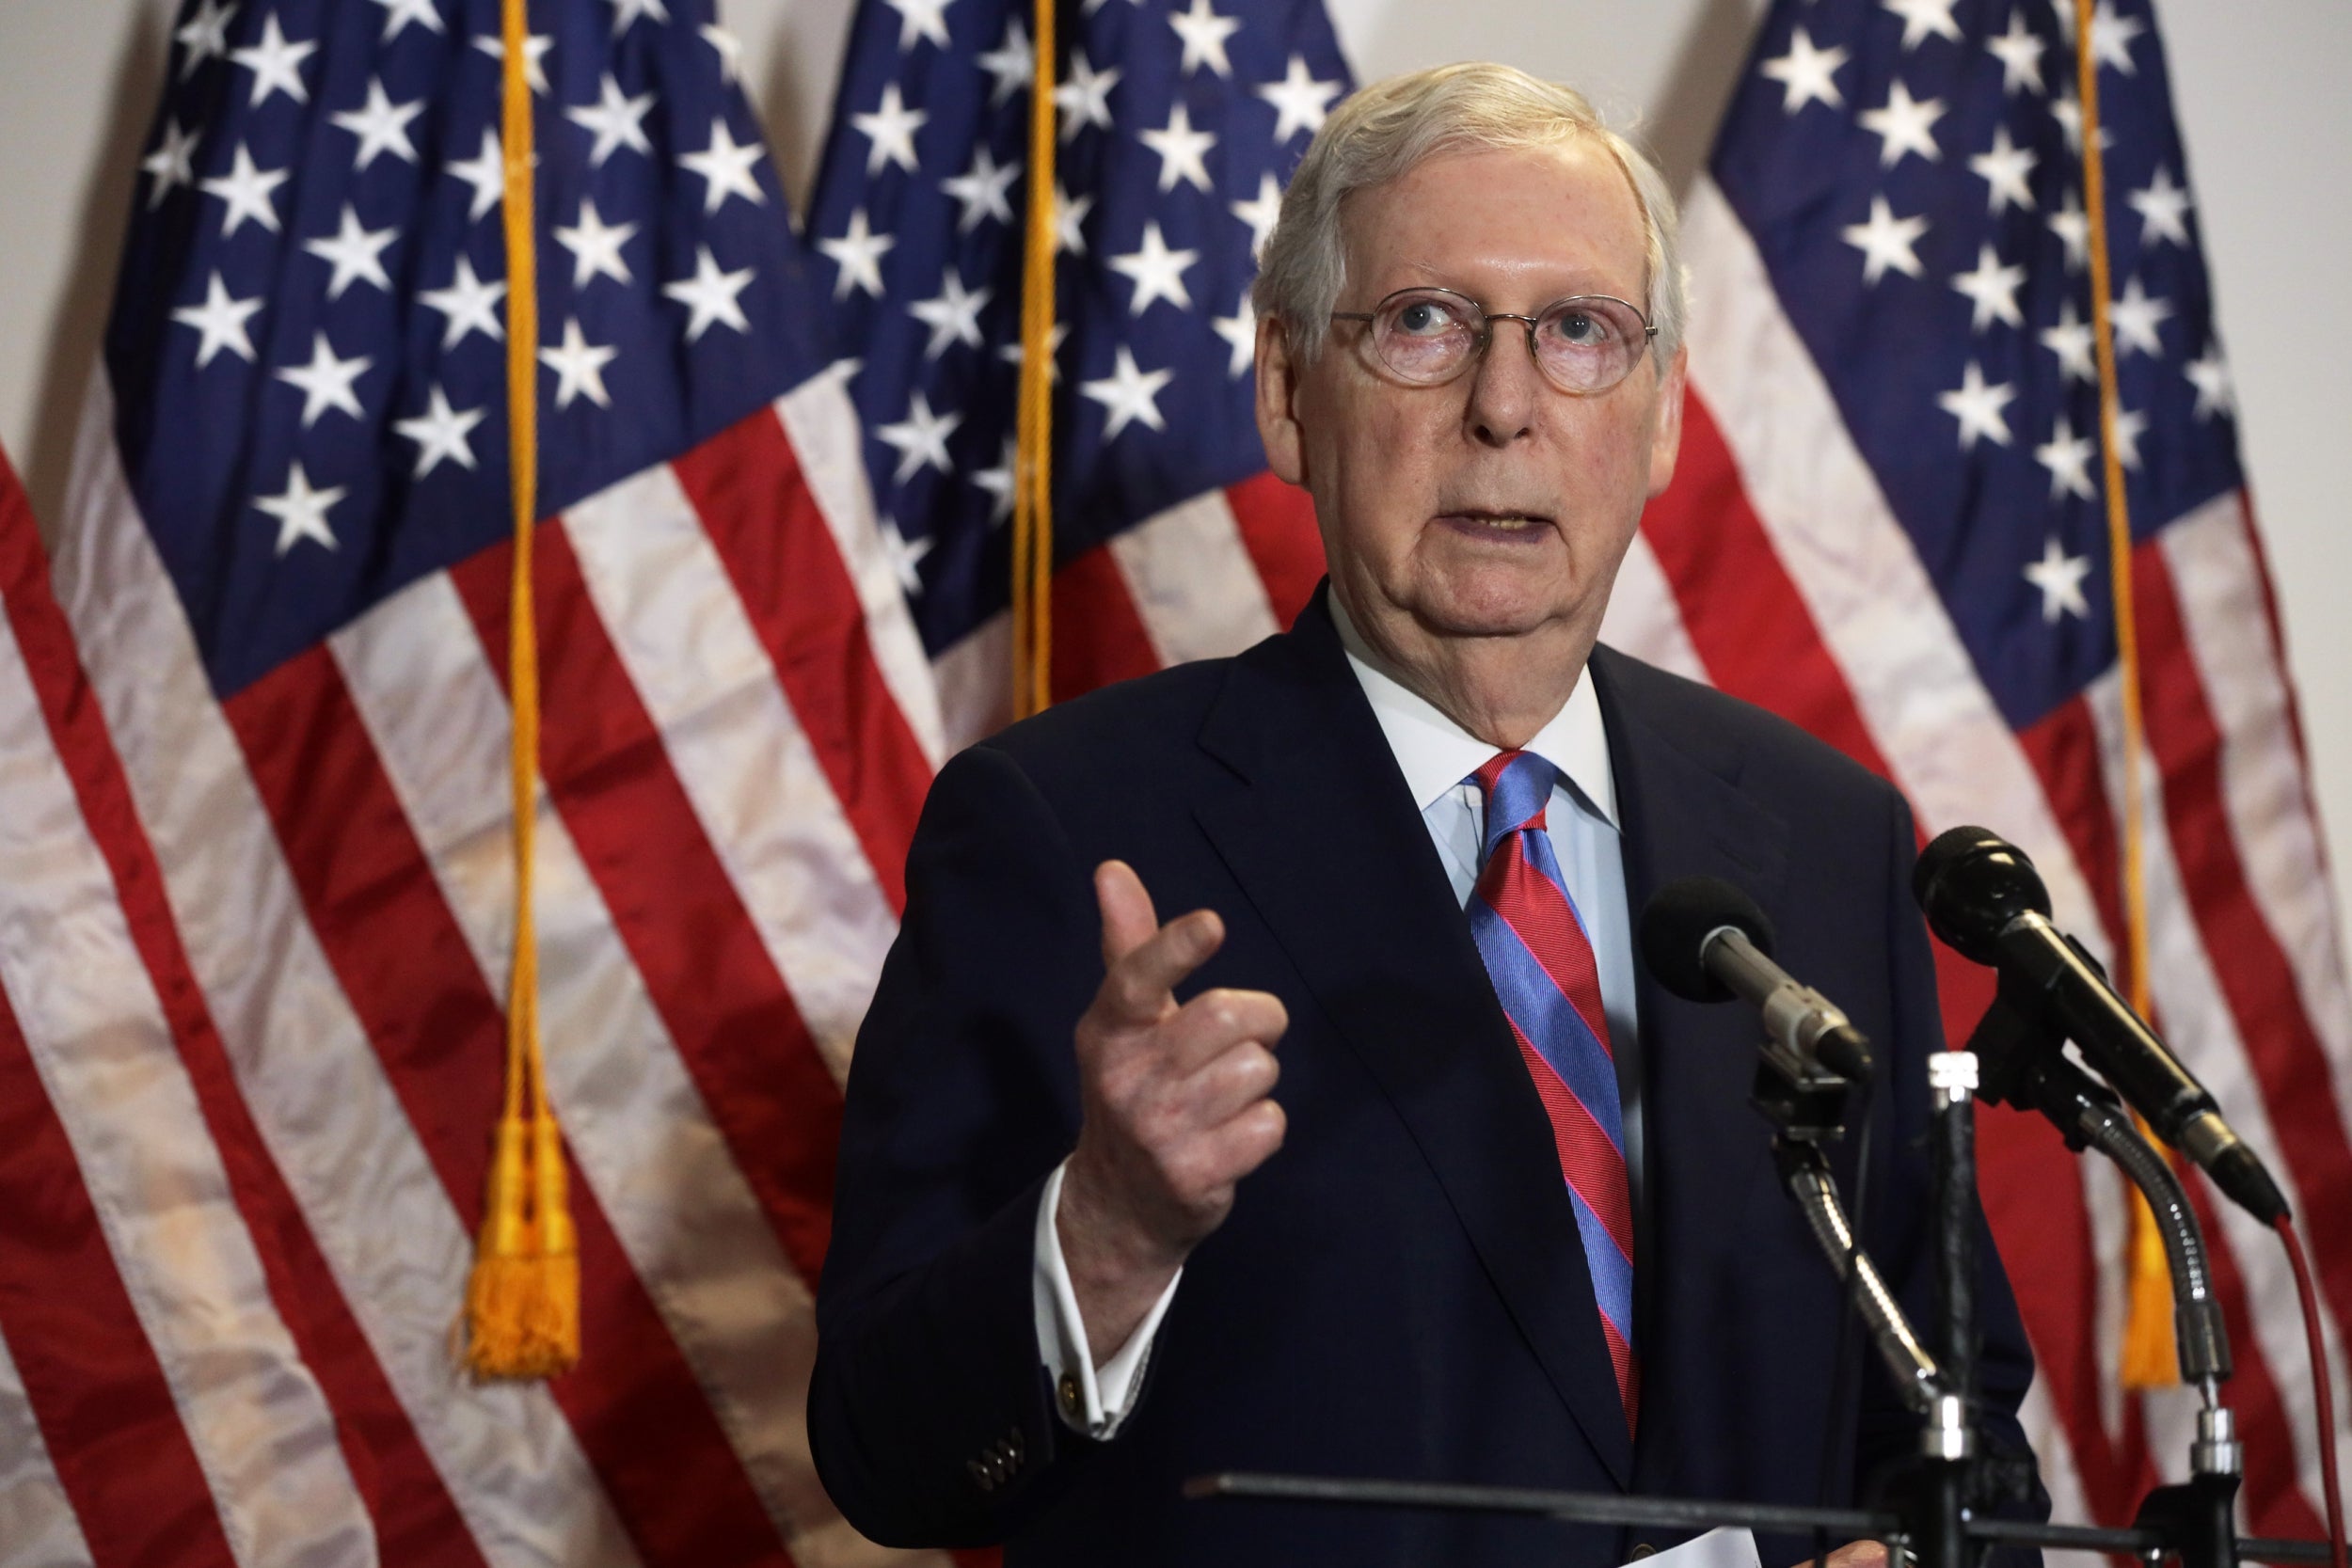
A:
(1033, 451)
(522, 1303)
(2149, 1358)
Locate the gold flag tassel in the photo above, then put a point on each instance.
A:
(522, 1303)
(2149, 1358)
(1033, 458)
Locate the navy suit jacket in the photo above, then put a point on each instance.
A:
(1400, 1291)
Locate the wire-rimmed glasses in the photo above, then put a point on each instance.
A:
(1583, 344)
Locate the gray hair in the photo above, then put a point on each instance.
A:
(1385, 131)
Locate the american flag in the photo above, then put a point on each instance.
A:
(256, 943)
(1888, 526)
(1177, 126)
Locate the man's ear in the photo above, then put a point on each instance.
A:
(1278, 375)
(1666, 439)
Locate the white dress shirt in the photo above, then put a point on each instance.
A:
(1437, 757)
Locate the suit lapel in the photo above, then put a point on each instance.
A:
(1682, 814)
(1325, 839)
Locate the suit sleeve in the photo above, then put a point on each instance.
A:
(929, 1411)
(1889, 1434)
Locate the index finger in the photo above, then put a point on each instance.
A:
(1139, 986)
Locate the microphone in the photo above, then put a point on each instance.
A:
(1705, 941)
(1985, 899)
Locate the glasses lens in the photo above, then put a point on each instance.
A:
(1424, 335)
(1591, 343)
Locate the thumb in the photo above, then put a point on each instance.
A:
(1128, 918)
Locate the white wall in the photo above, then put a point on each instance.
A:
(2268, 129)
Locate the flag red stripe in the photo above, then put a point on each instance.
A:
(705, 967)
(1098, 635)
(755, 503)
(1277, 522)
(1750, 626)
(415, 1517)
(2062, 748)
(397, 950)
(2249, 966)
(105, 1412)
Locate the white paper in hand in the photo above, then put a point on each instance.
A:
(1718, 1548)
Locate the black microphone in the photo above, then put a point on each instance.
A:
(1705, 941)
(1985, 899)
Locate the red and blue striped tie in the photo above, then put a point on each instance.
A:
(1532, 939)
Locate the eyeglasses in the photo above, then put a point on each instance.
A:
(1585, 344)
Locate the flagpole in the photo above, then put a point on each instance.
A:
(1033, 464)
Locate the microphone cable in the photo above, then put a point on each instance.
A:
(2330, 1486)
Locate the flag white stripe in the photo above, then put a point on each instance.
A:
(975, 679)
(2196, 1019)
(2060, 1476)
(2218, 580)
(1880, 616)
(1194, 584)
(311, 1078)
(260, 1426)
(737, 747)
(36, 1519)
(1643, 618)
(823, 425)
(640, 1128)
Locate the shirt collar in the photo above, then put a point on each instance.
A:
(1436, 753)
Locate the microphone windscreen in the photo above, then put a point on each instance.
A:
(1970, 883)
(1678, 919)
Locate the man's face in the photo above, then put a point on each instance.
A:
(1495, 505)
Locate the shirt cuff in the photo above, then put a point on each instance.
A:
(1092, 1400)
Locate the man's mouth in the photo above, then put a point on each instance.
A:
(1478, 520)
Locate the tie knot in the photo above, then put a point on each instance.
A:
(1518, 787)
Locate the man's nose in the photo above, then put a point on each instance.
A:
(1505, 387)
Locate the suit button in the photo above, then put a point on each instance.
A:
(1640, 1550)
(1068, 1393)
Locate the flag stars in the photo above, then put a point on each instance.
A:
(2130, 425)
(246, 193)
(469, 304)
(2059, 578)
(1240, 332)
(1182, 150)
(2210, 375)
(220, 323)
(615, 119)
(890, 131)
(596, 245)
(535, 47)
(2111, 38)
(711, 296)
(579, 367)
(1203, 34)
(486, 171)
(1012, 354)
(1903, 125)
(997, 482)
(2067, 457)
(2072, 225)
(953, 315)
(1129, 395)
(2069, 111)
(921, 18)
(1261, 210)
(2019, 49)
(356, 253)
(2136, 318)
(906, 557)
(275, 63)
(1980, 408)
(1923, 17)
(1886, 242)
(398, 14)
(301, 510)
(2163, 208)
(441, 433)
(2007, 170)
(627, 13)
(980, 190)
(2071, 341)
(327, 381)
(1158, 272)
(381, 125)
(728, 167)
(1011, 65)
(1084, 99)
(857, 257)
(920, 439)
(172, 163)
(1300, 102)
(730, 49)
(1992, 290)
(1807, 74)
(1070, 216)
(206, 35)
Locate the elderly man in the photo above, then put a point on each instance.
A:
(1385, 1161)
